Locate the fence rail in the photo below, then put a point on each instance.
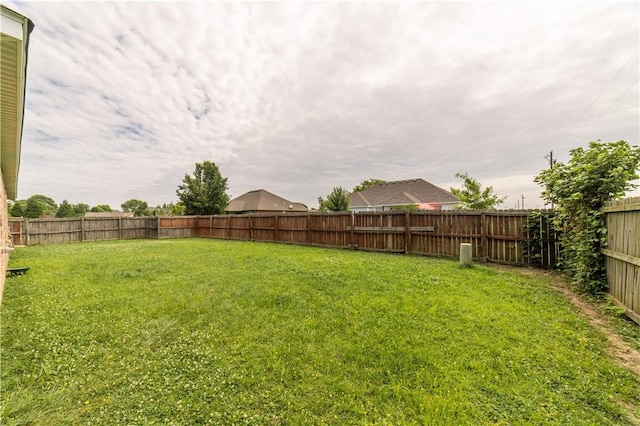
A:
(57, 231)
(622, 255)
(494, 236)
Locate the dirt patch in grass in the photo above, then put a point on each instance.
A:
(620, 350)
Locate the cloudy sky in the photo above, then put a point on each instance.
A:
(123, 98)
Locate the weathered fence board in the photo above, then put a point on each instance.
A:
(622, 255)
(176, 226)
(494, 236)
(375, 231)
(72, 230)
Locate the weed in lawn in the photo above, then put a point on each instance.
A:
(221, 332)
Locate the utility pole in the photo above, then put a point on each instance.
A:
(552, 162)
(549, 157)
(522, 201)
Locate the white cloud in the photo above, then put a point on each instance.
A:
(124, 98)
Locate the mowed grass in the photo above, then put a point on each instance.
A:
(199, 331)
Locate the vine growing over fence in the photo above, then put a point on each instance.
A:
(540, 232)
(579, 189)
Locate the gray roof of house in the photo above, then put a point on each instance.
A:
(261, 200)
(412, 191)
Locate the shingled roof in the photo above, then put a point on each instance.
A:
(401, 192)
(260, 200)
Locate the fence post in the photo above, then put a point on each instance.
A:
(353, 230)
(228, 227)
(275, 234)
(407, 232)
(483, 237)
(120, 228)
(390, 234)
(210, 226)
(308, 228)
(26, 231)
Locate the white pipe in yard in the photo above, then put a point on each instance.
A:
(465, 254)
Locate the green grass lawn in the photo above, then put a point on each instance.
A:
(198, 331)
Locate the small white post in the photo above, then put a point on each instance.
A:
(465, 255)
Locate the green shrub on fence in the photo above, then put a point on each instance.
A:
(539, 248)
(579, 190)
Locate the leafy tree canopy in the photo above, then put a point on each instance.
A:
(65, 210)
(19, 208)
(39, 205)
(473, 197)
(337, 200)
(80, 209)
(177, 209)
(101, 208)
(579, 189)
(135, 206)
(171, 209)
(366, 184)
(204, 192)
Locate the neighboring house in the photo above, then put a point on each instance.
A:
(399, 194)
(15, 30)
(261, 201)
(108, 215)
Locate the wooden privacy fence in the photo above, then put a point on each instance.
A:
(622, 255)
(71, 230)
(494, 236)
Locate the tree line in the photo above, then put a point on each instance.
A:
(204, 193)
(38, 206)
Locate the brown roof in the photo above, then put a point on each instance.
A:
(263, 201)
(412, 191)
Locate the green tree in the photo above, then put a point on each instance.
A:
(177, 209)
(366, 184)
(135, 206)
(204, 193)
(65, 210)
(101, 208)
(39, 205)
(48, 205)
(171, 209)
(579, 190)
(473, 197)
(34, 209)
(337, 200)
(19, 208)
(80, 209)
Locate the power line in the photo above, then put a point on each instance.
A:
(610, 81)
(575, 125)
(619, 97)
(612, 104)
